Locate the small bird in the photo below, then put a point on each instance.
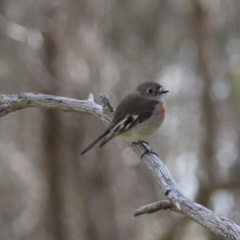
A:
(137, 116)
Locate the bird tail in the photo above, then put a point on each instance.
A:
(95, 141)
(111, 132)
(107, 138)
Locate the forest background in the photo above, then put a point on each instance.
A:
(71, 48)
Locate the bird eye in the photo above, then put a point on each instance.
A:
(150, 90)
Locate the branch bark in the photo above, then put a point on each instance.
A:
(176, 201)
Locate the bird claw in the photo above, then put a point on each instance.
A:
(147, 151)
(143, 141)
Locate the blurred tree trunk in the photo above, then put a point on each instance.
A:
(87, 185)
(51, 143)
(206, 53)
(204, 36)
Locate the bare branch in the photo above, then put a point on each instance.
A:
(176, 201)
(153, 207)
(11, 103)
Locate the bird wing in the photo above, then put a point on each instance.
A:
(121, 125)
(135, 106)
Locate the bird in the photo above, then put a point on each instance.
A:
(137, 116)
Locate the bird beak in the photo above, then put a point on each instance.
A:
(163, 91)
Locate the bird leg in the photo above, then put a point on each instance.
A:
(147, 151)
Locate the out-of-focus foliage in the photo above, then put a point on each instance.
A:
(70, 48)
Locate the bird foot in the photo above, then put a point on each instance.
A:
(147, 151)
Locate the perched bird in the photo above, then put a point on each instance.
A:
(137, 116)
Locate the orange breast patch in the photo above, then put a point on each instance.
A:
(164, 108)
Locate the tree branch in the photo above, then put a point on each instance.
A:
(11, 103)
(176, 201)
(154, 207)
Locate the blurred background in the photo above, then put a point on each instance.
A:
(70, 48)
